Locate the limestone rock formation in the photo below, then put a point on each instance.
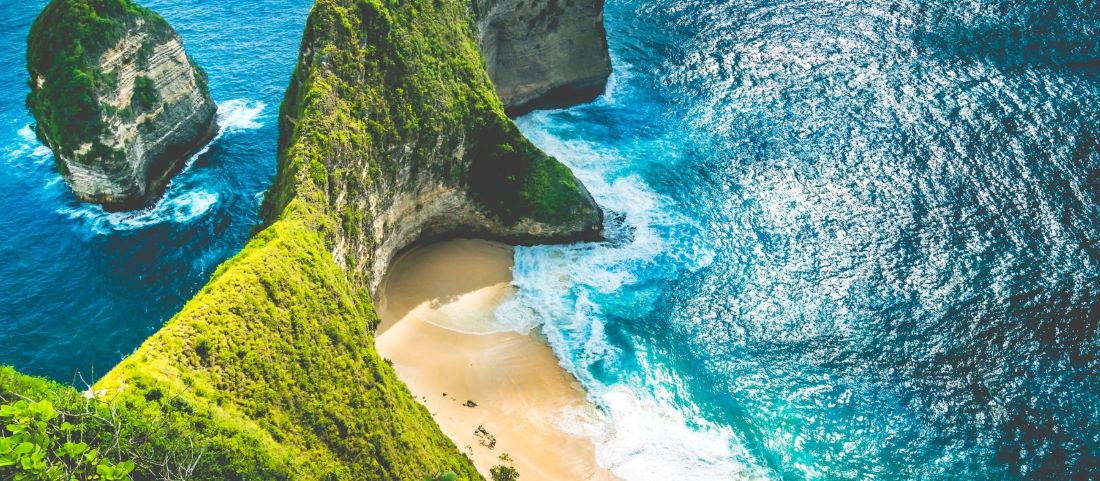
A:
(116, 98)
(406, 140)
(390, 133)
(544, 53)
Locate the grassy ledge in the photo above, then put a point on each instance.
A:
(270, 371)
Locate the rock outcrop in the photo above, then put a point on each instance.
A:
(390, 133)
(544, 53)
(116, 98)
(406, 140)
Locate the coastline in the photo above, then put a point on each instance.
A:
(492, 393)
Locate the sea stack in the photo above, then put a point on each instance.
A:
(544, 53)
(116, 98)
(390, 134)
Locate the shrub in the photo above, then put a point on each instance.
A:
(51, 432)
(40, 443)
(145, 96)
(501, 472)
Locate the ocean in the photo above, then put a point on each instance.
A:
(846, 240)
(81, 288)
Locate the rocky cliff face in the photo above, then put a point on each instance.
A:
(390, 133)
(116, 98)
(401, 138)
(544, 53)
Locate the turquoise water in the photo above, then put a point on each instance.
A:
(859, 240)
(847, 240)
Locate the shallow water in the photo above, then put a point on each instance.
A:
(848, 240)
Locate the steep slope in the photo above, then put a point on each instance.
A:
(116, 98)
(271, 368)
(544, 53)
(391, 126)
(390, 133)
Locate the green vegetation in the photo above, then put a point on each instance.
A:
(389, 87)
(51, 432)
(270, 372)
(145, 96)
(63, 51)
(272, 364)
(38, 443)
(502, 472)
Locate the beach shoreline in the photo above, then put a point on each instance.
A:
(493, 393)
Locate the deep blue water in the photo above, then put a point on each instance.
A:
(848, 240)
(80, 288)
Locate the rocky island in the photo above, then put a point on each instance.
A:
(391, 134)
(116, 98)
(544, 53)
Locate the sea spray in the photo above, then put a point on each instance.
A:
(567, 291)
(184, 199)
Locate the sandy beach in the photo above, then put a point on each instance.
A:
(492, 393)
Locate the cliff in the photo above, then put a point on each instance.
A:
(390, 133)
(544, 53)
(406, 140)
(116, 98)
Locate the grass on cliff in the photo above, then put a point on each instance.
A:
(385, 89)
(273, 366)
(63, 48)
(270, 371)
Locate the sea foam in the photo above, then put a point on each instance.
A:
(180, 209)
(651, 441)
(562, 290)
(27, 148)
(240, 114)
(182, 202)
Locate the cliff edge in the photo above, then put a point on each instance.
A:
(390, 134)
(405, 140)
(116, 98)
(544, 53)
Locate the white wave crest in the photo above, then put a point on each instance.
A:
(28, 148)
(179, 209)
(562, 289)
(179, 204)
(27, 133)
(240, 114)
(649, 441)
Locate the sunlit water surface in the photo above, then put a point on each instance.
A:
(847, 240)
(858, 240)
